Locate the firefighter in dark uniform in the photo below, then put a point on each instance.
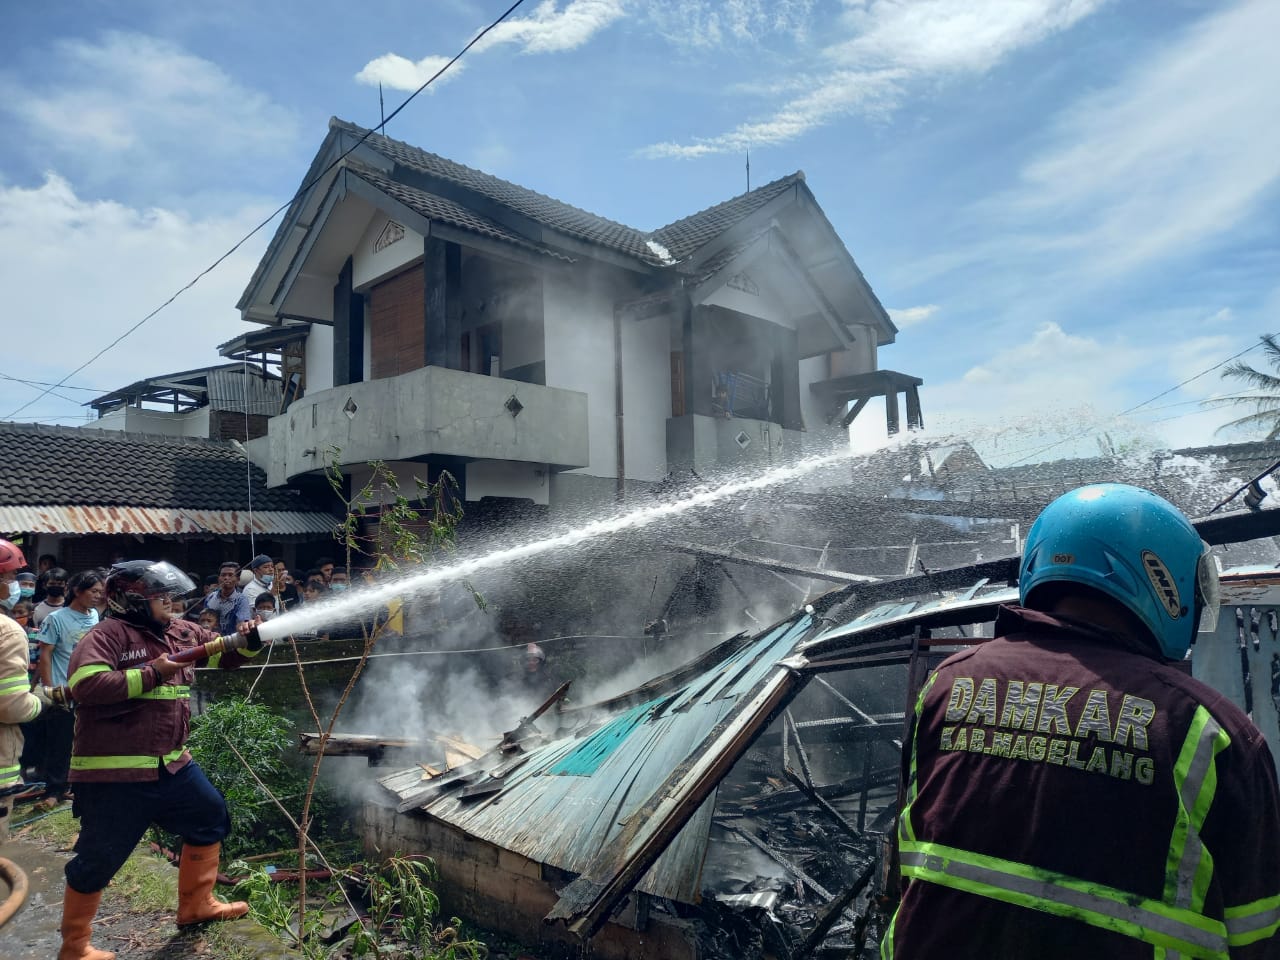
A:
(129, 764)
(1069, 791)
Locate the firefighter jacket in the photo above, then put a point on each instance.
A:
(1069, 795)
(129, 720)
(17, 703)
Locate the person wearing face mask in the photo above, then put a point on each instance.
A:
(263, 569)
(265, 606)
(26, 585)
(55, 597)
(18, 704)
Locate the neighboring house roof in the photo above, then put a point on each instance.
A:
(439, 208)
(81, 480)
(222, 387)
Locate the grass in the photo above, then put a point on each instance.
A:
(147, 882)
(58, 828)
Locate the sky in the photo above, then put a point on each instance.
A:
(1069, 207)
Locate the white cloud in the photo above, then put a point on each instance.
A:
(81, 272)
(890, 47)
(704, 23)
(910, 316)
(400, 73)
(550, 28)
(1178, 152)
(132, 112)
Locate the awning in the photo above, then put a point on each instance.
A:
(164, 521)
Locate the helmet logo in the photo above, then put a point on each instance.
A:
(1162, 582)
(1064, 558)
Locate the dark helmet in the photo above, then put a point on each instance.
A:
(133, 583)
(11, 557)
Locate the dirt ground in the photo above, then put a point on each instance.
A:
(134, 919)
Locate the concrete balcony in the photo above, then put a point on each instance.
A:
(706, 443)
(430, 412)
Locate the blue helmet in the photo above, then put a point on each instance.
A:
(1136, 548)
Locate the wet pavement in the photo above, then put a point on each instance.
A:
(32, 934)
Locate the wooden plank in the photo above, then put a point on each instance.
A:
(778, 566)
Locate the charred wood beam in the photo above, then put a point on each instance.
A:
(1239, 526)
(778, 566)
(790, 799)
(805, 783)
(783, 861)
(832, 912)
(353, 744)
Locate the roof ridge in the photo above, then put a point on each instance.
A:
(63, 430)
(795, 177)
(356, 128)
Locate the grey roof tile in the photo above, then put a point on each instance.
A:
(688, 234)
(48, 465)
(447, 211)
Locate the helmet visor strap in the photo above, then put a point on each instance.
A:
(1208, 595)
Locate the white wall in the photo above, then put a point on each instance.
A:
(812, 369)
(578, 325)
(193, 423)
(765, 306)
(505, 478)
(319, 358)
(646, 400)
(368, 266)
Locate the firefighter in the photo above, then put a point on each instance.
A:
(129, 764)
(18, 704)
(1069, 791)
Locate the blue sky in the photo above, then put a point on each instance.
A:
(1068, 205)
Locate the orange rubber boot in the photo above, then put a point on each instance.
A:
(78, 910)
(197, 873)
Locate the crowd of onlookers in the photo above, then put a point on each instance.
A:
(57, 609)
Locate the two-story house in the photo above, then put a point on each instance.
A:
(429, 313)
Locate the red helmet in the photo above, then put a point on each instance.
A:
(11, 557)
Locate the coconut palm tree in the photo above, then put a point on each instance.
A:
(1263, 391)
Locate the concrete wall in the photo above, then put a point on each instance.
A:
(431, 411)
(708, 444)
(508, 893)
(763, 305)
(503, 478)
(368, 266)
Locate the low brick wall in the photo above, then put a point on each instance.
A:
(506, 892)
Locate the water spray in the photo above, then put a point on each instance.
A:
(317, 616)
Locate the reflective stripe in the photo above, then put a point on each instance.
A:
(88, 670)
(1048, 892)
(134, 680)
(906, 833)
(1252, 922)
(16, 684)
(214, 660)
(10, 773)
(166, 693)
(124, 763)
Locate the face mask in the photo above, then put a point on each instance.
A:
(27, 592)
(13, 593)
(266, 578)
(266, 614)
(55, 593)
(21, 619)
(338, 586)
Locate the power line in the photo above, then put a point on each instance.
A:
(275, 213)
(1138, 406)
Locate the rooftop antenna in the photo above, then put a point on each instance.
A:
(748, 169)
(382, 112)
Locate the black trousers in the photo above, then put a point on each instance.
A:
(114, 817)
(59, 730)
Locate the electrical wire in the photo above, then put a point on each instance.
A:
(275, 213)
(1136, 406)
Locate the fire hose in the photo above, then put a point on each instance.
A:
(12, 874)
(252, 641)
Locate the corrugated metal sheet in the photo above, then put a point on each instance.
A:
(227, 391)
(572, 796)
(162, 521)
